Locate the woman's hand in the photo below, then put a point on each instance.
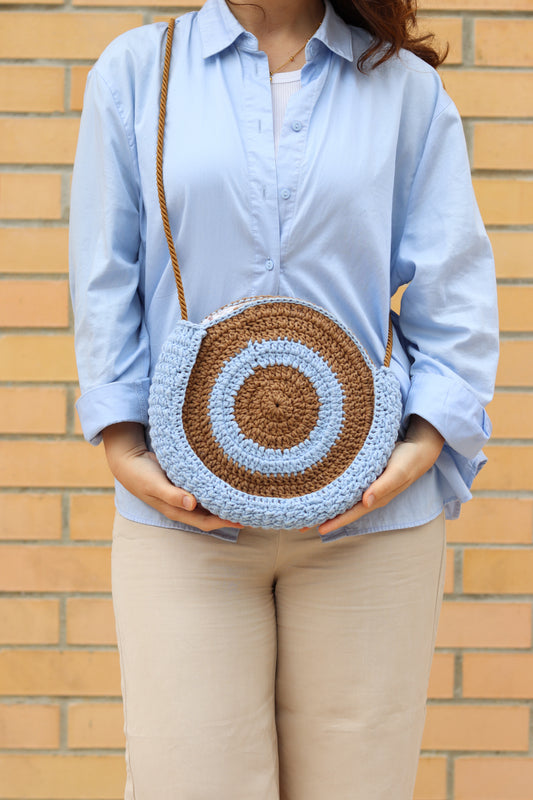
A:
(410, 459)
(137, 469)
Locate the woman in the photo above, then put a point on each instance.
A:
(310, 151)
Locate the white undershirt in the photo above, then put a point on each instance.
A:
(283, 85)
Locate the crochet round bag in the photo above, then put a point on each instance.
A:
(269, 411)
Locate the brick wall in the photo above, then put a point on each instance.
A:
(60, 706)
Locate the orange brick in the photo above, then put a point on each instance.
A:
(90, 621)
(505, 202)
(91, 516)
(77, 424)
(514, 368)
(33, 250)
(478, 5)
(33, 2)
(441, 676)
(476, 728)
(498, 675)
(508, 469)
(490, 93)
(63, 777)
(484, 624)
(61, 35)
(29, 621)
(95, 725)
(70, 673)
(55, 568)
(32, 410)
(447, 30)
(431, 779)
(504, 42)
(28, 726)
(29, 140)
(28, 88)
(34, 303)
(516, 306)
(30, 516)
(30, 196)
(78, 80)
(495, 778)
(29, 463)
(511, 415)
(512, 253)
(498, 570)
(37, 358)
(503, 146)
(497, 520)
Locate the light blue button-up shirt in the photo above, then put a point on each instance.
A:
(370, 190)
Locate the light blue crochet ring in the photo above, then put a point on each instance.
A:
(271, 413)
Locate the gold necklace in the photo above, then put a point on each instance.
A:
(290, 58)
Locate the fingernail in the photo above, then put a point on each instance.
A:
(188, 503)
(370, 500)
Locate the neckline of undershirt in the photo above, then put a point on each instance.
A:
(287, 77)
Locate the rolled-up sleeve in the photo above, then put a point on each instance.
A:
(448, 318)
(111, 341)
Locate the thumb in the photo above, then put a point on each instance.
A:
(171, 494)
(391, 482)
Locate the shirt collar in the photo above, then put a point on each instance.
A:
(219, 29)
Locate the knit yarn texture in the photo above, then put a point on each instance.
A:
(271, 413)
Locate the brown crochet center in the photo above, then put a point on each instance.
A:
(278, 406)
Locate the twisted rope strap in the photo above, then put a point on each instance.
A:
(159, 171)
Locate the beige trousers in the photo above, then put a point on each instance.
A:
(279, 667)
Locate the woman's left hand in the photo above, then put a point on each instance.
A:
(410, 459)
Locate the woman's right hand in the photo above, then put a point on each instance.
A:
(138, 470)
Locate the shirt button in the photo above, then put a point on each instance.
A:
(285, 193)
(269, 264)
(297, 125)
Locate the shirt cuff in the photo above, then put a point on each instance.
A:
(113, 402)
(452, 409)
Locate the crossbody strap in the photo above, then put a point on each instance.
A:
(159, 171)
(161, 189)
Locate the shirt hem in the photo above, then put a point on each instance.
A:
(174, 527)
(340, 534)
(400, 526)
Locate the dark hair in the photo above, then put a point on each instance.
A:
(392, 25)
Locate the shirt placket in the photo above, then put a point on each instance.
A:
(273, 185)
(292, 144)
(262, 188)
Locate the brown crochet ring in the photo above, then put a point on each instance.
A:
(277, 406)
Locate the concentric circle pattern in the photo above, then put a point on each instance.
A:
(299, 361)
(271, 413)
(279, 401)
